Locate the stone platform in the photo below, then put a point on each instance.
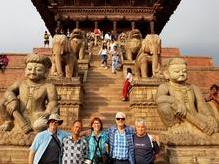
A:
(14, 154)
(193, 154)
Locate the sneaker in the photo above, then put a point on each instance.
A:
(102, 65)
(106, 67)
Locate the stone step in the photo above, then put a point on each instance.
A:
(103, 96)
(104, 80)
(109, 74)
(106, 100)
(105, 112)
(105, 109)
(103, 89)
(102, 106)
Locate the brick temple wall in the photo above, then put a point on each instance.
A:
(202, 72)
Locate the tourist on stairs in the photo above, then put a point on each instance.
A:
(116, 60)
(104, 55)
(127, 84)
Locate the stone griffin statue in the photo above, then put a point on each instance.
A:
(27, 104)
(149, 55)
(133, 45)
(182, 108)
(78, 43)
(64, 61)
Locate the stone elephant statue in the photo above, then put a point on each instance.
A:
(133, 45)
(78, 43)
(64, 61)
(148, 60)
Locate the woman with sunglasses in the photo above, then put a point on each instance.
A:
(97, 143)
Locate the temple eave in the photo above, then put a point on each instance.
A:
(82, 17)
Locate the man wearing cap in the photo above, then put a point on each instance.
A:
(46, 147)
(121, 141)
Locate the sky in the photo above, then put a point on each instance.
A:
(193, 28)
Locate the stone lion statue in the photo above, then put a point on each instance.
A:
(183, 110)
(148, 60)
(133, 44)
(78, 43)
(64, 61)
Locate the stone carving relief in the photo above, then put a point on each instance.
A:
(183, 110)
(27, 104)
(64, 61)
(148, 60)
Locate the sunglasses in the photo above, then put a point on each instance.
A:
(123, 119)
(54, 121)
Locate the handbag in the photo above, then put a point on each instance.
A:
(103, 158)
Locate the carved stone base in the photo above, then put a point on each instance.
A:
(193, 154)
(128, 64)
(16, 138)
(71, 94)
(14, 154)
(186, 134)
(142, 103)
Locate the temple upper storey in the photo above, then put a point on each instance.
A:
(149, 16)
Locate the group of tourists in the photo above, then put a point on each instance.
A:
(119, 144)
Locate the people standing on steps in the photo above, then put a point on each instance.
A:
(46, 147)
(75, 147)
(103, 53)
(146, 147)
(97, 34)
(121, 141)
(97, 143)
(116, 59)
(108, 39)
(127, 85)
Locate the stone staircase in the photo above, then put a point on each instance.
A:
(103, 92)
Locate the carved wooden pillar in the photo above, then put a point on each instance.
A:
(77, 24)
(133, 25)
(152, 27)
(114, 27)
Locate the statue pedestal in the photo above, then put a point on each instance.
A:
(128, 64)
(14, 154)
(193, 154)
(71, 94)
(142, 103)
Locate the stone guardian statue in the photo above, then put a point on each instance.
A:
(180, 102)
(29, 103)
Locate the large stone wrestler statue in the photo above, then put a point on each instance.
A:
(28, 103)
(180, 102)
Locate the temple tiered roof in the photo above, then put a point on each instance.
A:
(148, 15)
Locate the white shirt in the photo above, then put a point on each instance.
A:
(129, 77)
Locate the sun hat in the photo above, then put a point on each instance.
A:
(55, 117)
(120, 115)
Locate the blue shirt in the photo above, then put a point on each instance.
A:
(42, 140)
(129, 133)
(120, 148)
(92, 143)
